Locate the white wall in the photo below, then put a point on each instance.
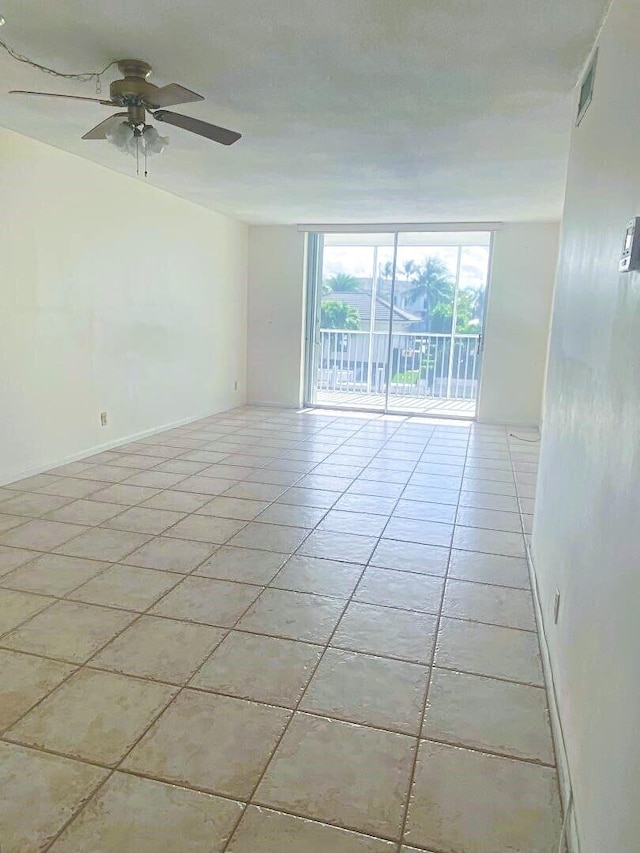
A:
(517, 326)
(586, 540)
(114, 296)
(517, 320)
(276, 315)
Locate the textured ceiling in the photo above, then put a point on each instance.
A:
(351, 110)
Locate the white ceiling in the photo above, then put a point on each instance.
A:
(351, 110)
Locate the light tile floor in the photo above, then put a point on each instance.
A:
(275, 631)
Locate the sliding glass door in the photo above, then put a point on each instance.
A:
(351, 317)
(395, 321)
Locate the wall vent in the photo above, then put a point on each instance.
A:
(586, 88)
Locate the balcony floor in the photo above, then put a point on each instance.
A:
(435, 406)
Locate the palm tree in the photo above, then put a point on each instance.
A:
(385, 275)
(409, 269)
(432, 285)
(385, 270)
(342, 282)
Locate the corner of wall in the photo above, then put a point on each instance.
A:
(569, 826)
(518, 315)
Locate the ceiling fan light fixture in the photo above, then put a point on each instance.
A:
(153, 142)
(136, 140)
(122, 137)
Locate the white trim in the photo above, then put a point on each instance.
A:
(108, 445)
(508, 423)
(564, 776)
(270, 404)
(378, 227)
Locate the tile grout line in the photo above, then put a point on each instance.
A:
(79, 666)
(183, 687)
(155, 719)
(296, 707)
(274, 501)
(220, 545)
(165, 708)
(405, 815)
(380, 655)
(213, 496)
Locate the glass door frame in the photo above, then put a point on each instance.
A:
(392, 304)
(315, 251)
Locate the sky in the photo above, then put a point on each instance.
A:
(358, 261)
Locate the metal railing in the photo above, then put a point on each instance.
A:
(421, 364)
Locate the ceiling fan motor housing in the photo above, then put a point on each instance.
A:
(135, 86)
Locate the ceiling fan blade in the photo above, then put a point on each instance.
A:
(202, 128)
(101, 130)
(56, 95)
(169, 96)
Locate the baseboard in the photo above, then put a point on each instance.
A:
(564, 775)
(108, 445)
(271, 405)
(514, 424)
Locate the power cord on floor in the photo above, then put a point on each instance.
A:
(520, 438)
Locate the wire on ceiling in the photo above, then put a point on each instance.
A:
(82, 78)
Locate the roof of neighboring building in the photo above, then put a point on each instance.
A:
(361, 301)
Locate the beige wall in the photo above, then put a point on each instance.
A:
(523, 271)
(276, 309)
(586, 540)
(114, 296)
(517, 319)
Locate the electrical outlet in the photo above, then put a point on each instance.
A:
(235, 385)
(556, 607)
(103, 418)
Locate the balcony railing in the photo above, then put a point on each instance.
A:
(418, 364)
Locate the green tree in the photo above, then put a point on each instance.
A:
(335, 314)
(385, 277)
(342, 282)
(410, 269)
(432, 285)
(470, 310)
(385, 270)
(406, 270)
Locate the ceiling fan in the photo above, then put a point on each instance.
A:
(138, 96)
